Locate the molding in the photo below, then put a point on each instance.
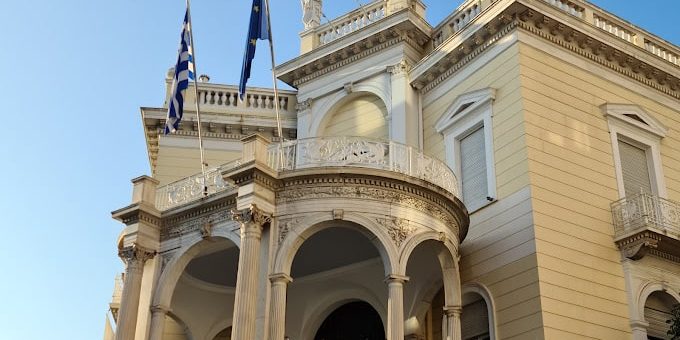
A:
(195, 219)
(622, 112)
(475, 98)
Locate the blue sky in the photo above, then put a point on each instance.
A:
(75, 74)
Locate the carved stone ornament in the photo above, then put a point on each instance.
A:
(398, 228)
(637, 250)
(253, 214)
(135, 254)
(206, 229)
(401, 68)
(303, 105)
(195, 224)
(311, 13)
(285, 226)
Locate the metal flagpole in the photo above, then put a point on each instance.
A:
(276, 89)
(198, 110)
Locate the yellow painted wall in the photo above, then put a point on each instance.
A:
(572, 176)
(175, 163)
(360, 116)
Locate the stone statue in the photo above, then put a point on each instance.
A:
(311, 13)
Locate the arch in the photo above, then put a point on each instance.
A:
(181, 323)
(646, 290)
(219, 327)
(448, 260)
(334, 101)
(174, 269)
(483, 291)
(318, 222)
(331, 302)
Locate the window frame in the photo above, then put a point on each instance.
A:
(476, 112)
(646, 135)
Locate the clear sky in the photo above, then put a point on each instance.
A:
(75, 74)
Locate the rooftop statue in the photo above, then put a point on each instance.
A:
(311, 13)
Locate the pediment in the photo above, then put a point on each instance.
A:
(636, 116)
(463, 105)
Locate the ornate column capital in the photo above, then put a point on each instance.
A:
(402, 67)
(136, 254)
(280, 278)
(396, 278)
(303, 106)
(453, 310)
(252, 214)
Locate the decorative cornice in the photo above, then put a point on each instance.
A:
(197, 219)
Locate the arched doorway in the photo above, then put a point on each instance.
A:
(354, 320)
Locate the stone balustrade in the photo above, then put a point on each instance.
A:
(615, 29)
(350, 22)
(362, 153)
(457, 21)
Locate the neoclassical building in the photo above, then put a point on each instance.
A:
(512, 172)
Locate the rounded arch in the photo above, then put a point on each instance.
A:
(483, 291)
(181, 324)
(331, 302)
(316, 223)
(448, 260)
(174, 269)
(219, 327)
(328, 107)
(646, 290)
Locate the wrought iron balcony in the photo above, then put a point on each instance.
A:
(363, 153)
(644, 223)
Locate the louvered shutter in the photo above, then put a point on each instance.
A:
(635, 169)
(473, 169)
(475, 321)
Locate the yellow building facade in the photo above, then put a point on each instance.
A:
(510, 173)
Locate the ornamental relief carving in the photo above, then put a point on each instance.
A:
(399, 229)
(202, 224)
(285, 227)
(136, 254)
(253, 214)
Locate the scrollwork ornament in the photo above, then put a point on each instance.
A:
(398, 228)
(253, 214)
(136, 254)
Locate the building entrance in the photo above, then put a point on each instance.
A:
(352, 321)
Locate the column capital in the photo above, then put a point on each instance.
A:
(252, 214)
(453, 310)
(134, 254)
(280, 277)
(396, 278)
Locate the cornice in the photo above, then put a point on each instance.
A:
(178, 223)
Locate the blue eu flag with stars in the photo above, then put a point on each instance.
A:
(259, 29)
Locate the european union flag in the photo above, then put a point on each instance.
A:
(259, 29)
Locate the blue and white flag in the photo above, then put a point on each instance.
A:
(258, 29)
(184, 71)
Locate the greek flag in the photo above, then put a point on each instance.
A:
(184, 71)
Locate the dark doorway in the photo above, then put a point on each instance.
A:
(352, 321)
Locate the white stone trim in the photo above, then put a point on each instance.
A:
(455, 126)
(483, 291)
(647, 137)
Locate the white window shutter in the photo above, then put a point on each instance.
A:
(473, 169)
(635, 169)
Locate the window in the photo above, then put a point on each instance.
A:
(636, 142)
(466, 126)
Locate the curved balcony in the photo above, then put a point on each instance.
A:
(361, 153)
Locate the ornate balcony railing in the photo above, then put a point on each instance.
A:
(643, 211)
(362, 153)
(190, 189)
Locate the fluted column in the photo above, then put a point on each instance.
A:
(158, 314)
(245, 304)
(395, 307)
(453, 322)
(277, 320)
(135, 257)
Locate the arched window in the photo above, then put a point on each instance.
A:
(657, 310)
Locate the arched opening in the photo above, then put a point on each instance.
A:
(361, 115)
(336, 265)
(354, 320)
(175, 329)
(474, 320)
(225, 334)
(657, 310)
(203, 295)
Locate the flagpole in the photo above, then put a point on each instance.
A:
(276, 89)
(198, 110)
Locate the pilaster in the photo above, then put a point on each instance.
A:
(404, 115)
(395, 306)
(134, 257)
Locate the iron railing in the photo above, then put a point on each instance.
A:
(642, 211)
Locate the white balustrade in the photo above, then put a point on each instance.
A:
(643, 211)
(362, 153)
(225, 98)
(456, 22)
(568, 6)
(351, 22)
(614, 29)
(191, 189)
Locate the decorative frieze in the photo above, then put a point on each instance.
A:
(399, 228)
(204, 224)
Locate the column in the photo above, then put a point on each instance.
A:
(453, 322)
(158, 314)
(277, 321)
(395, 307)
(245, 304)
(135, 257)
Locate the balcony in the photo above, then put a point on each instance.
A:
(645, 223)
(322, 152)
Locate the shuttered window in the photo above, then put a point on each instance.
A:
(475, 321)
(635, 169)
(473, 169)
